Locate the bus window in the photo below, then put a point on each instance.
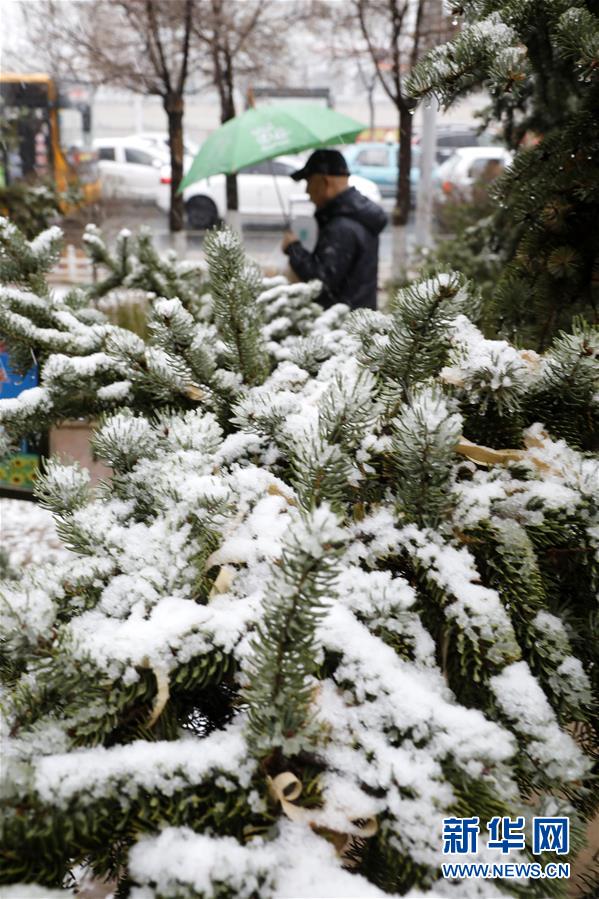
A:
(46, 135)
(70, 122)
(26, 145)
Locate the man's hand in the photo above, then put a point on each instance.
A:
(288, 237)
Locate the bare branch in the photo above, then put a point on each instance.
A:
(186, 44)
(154, 36)
(414, 55)
(360, 9)
(252, 23)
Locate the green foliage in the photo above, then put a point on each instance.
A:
(467, 242)
(127, 310)
(280, 692)
(235, 284)
(417, 339)
(538, 60)
(31, 208)
(135, 266)
(62, 488)
(564, 395)
(293, 568)
(424, 438)
(25, 262)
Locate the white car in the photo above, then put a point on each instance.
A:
(130, 168)
(456, 177)
(159, 140)
(265, 190)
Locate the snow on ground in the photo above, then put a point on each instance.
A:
(28, 534)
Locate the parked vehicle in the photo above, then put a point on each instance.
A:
(130, 168)
(452, 137)
(470, 164)
(467, 167)
(159, 140)
(262, 188)
(378, 162)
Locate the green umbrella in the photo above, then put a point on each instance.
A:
(269, 131)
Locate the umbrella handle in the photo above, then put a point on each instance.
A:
(286, 219)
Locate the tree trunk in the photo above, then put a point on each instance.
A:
(232, 195)
(173, 105)
(370, 95)
(228, 112)
(402, 197)
(401, 212)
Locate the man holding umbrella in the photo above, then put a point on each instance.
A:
(345, 257)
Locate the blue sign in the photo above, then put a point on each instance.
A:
(18, 471)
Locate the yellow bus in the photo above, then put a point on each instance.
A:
(45, 133)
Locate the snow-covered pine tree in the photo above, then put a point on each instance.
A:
(339, 587)
(539, 61)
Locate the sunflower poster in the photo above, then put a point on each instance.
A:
(17, 472)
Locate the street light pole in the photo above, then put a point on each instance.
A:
(437, 29)
(424, 199)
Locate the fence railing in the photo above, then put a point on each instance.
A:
(73, 267)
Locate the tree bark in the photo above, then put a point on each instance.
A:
(173, 106)
(370, 95)
(228, 112)
(401, 211)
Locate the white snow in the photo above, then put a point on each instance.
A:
(29, 535)
(164, 766)
(523, 701)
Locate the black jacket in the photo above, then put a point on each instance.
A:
(345, 257)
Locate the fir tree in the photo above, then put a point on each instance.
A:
(539, 60)
(322, 603)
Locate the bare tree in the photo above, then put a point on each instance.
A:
(242, 40)
(393, 30)
(384, 39)
(368, 77)
(141, 45)
(344, 41)
(397, 33)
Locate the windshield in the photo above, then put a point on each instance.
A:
(70, 123)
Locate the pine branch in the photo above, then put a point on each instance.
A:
(280, 688)
(26, 262)
(415, 345)
(235, 285)
(424, 438)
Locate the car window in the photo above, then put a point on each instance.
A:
(281, 168)
(106, 153)
(459, 139)
(447, 168)
(138, 156)
(377, 156)
(256, 168)
(268, 167)
(486, 169)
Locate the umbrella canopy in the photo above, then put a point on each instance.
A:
(270, 131)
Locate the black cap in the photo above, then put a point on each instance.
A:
(323, 162)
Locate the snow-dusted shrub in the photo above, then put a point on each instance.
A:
(338, 589)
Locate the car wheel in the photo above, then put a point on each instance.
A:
(201, 213)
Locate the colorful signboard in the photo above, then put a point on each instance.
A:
(18, 471)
